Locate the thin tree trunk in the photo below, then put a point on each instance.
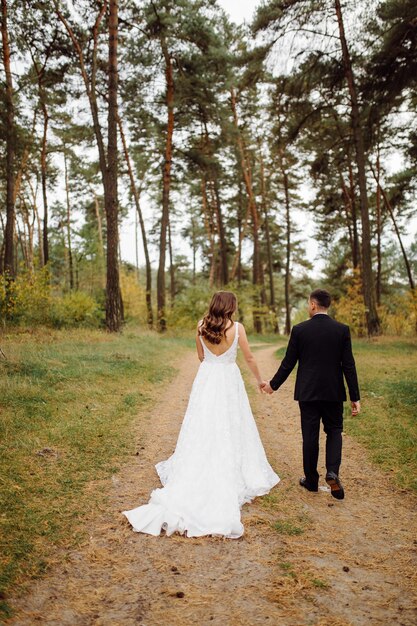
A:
(348, 214)
(373, 324)
(288, 249)
(171, 266)
(100, 241)
(9, 264)
(137, 246)
(29, 227)
(247, 176)
(272, 303)
(397, 231)
(224, 270)
(166, 184)
(135, 193)
(242, 228)
(378, 229)
(208, 223)
(194, 245)
(357, 261)
(68, 226)
(2, 245)
(21, 238)
(44, 178)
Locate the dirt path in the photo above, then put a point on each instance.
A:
(325, 563)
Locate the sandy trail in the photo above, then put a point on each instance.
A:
(351, 563)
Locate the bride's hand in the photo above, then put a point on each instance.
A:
(266, 387)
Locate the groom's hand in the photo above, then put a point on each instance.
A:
(356, 407)
(266, 387)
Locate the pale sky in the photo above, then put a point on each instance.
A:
(239, 10)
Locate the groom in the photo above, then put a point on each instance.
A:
(323, 350)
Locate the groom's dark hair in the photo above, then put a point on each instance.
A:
(322, 297)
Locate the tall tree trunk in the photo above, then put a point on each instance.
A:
(240, 236)
(171, 265)
(288, 248)
(135, 193)
(397, 230)
(68, 227)
(44, 179)
(29, 227)
(137, 246)
(372, 320)
(257, 276)
(356, 253)
(108, 163)
(378, 229)
(272, 303)
(224, 270)
(114, 304)
(348, 214)
(166, 184)
(2, 244)
(208, 223)
(9, 264)
(194, 246)
(100, 241)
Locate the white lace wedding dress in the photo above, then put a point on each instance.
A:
(219, 462)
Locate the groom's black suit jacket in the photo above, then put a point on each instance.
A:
(323, 349)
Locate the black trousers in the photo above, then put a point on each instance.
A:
(332, 415)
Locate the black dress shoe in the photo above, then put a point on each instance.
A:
(336, 487)
(303, 483)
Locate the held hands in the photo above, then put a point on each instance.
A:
(265, 387)
(356, 407)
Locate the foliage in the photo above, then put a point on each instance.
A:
(399, 315)
(192, 303)
(28, 301)
(75, 308)
(133, 296)
(350, 308)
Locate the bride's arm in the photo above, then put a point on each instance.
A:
(200, 351)
(249, 358)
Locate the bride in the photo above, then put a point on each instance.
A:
(219, 462)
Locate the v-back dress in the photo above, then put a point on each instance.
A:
(219, 462)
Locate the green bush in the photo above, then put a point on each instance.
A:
(192, 303)
(28, 301)
(75, 309)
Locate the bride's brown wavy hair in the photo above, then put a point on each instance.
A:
(222, 306)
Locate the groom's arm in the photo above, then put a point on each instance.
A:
(287, 363)
(349, 367)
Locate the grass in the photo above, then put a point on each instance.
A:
(387, 424)
(67, 404)
(286, 527)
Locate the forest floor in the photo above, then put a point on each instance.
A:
(305, 558)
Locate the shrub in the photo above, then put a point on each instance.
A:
(27, 299)
(400, 317)
(75, 309)
(350, 309)
(133, 295)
